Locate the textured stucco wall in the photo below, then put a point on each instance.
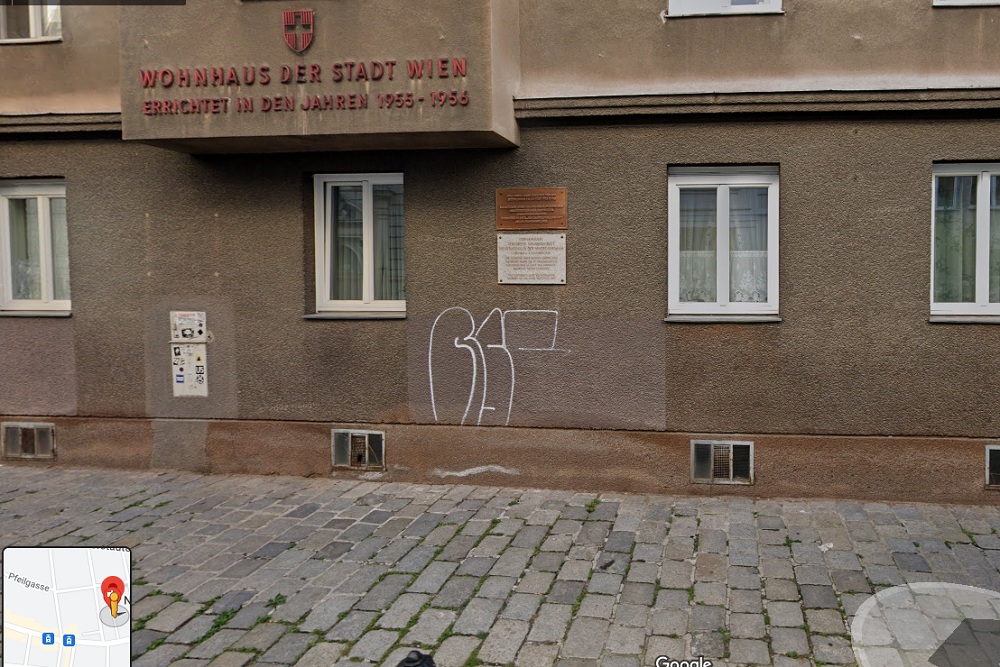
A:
(152, 230)
(597, 47)
(78, 74)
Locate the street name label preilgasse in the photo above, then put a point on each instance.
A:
(531, 259)
(531, 208)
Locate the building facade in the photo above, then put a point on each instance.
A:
(777, 262)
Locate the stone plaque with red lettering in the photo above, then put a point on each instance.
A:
(531, 208)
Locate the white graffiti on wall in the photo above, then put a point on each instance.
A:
(490, 372)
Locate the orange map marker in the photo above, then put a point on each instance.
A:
(112, 589)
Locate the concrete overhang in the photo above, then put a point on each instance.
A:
(255, 76)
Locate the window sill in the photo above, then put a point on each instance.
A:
(718, 319)
(357, 315)
(35, 313)
(964, 319)
(31, 40)
(770, 12)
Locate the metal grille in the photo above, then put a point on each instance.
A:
(720, 462)
(359, 443)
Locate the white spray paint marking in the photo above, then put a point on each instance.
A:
(478, 470)
(477, 353)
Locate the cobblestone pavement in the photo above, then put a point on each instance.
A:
(232, 571)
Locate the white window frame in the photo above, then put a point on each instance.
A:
(36, 21)
(722, 7)
(44, 191)
(722, 178)
(367, 305)
(982, 305)
(965, 3)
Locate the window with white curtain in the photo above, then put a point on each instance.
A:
(34, 248)
(965, 248)
(705, 7)
(32, 21)
(723, 241)
(360, 249)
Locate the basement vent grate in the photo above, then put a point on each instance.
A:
(993, 466)
(722, 462)
(28, 440)
(364, 450)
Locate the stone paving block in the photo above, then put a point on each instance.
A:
(521, 606)
(504, 641)
(832, 650)
(496, 587)
(638, 593)
(586, 638)
(710, 567)
(671, 599)
(456, 592)
(598, 606)
(382, 595)
(416, 560)
(632, 615)
(172, 617)
(458, 548)
(454, 651)
(143, 639)
(744, 577)
(261, 637)
(911, 562)
(568, 592)
(537, 655)
(650, 553)
(781, 589)
(512, 562)
(671, 648)
(825, 621)
(747, 626)
(216, 644)
(151, 604)
(847, 581)
(323, 654)
(708, 644)
(605, 583)
(550, 624)
(402, 610)
(624, 640)
(745, 602)
(538, 582)
(530, 537)
(818, 597)
(749, 651)
(884, 575)
(812, 574)
(785, 614)
(676, 574)
(575, 570)
(352, 626)
(707, 618)
(430, 626)
(326, 613)
(668, 622)
(710, 593)
(433, 577)
(557, 543)
(620, 541)
(161, 656)
(191, 631)
(478, 616)
(373, 645)
(476, 566)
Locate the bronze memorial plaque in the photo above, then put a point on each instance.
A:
(531, 208)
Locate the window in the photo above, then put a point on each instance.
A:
(703, 7)
(360, 265)
(964, 3)
(993, 465)
(34, 250)
(720, 462)
(359, 449)
(25, 22)
(723, 241)
(965, 252)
